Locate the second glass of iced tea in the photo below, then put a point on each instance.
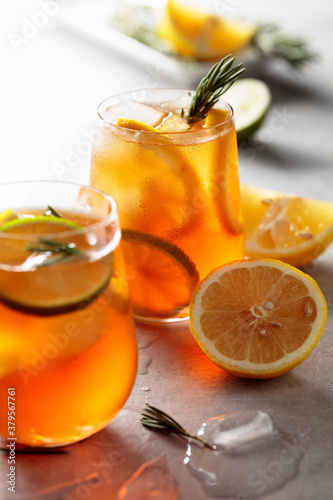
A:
(177, 190)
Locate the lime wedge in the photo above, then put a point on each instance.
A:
(250, 98)
(66, 285)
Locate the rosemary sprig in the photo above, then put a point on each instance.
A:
(158, 420)
(52, 211)
(270, 42)
(217, 81)
(60, 250)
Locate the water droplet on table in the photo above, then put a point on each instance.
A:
(144, 362)
(146, 339)
(152, 480)
(145, 388)
(252, 457)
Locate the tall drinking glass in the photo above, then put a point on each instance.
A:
(177, 191)
(68, 353)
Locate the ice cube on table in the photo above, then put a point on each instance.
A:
(173, 123)
(133, 110)
(240, 427)
(151, 481)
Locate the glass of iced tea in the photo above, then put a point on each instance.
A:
(68, 353)
(177, 189)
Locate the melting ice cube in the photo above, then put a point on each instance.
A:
(173, 123)
(238, 428)
(133, 110)
(252, 457)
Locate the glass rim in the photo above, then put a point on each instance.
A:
(151, 133)
(107, 219)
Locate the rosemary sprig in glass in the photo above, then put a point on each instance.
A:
(52, 211)
(158, 420)
(59, 250)
(217, 81)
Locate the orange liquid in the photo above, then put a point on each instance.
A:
(71, 372)
(183, 189)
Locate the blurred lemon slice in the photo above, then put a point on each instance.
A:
(198, 34)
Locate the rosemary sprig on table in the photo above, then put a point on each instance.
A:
(158, 420)
(271, 42)
(217, 81)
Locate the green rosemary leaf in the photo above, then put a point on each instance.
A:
(217, 81)
(53, 211)
(59, 250)
(158, 420)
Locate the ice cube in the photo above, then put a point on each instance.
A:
(238, 428)
(151, 481)
(133, 110)
(176, 104)
(173, 123)
(251, 457)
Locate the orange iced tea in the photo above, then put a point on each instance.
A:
(67, 339)
(177, 191)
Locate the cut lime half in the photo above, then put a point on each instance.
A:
(250, 99)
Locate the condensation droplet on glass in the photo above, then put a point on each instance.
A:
(152, 480)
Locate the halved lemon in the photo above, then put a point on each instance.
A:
(62, 286)
(289, 228)
(161, 276)
(257, 318)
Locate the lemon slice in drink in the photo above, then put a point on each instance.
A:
(250, 99)
(161, 276)
(7, 215)
(135, 125)
(64, 285)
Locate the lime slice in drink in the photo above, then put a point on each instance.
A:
(161, 276)
(40, 225)
(61, 283)
(250, 99)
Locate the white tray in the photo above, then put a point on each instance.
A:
(89, 19)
